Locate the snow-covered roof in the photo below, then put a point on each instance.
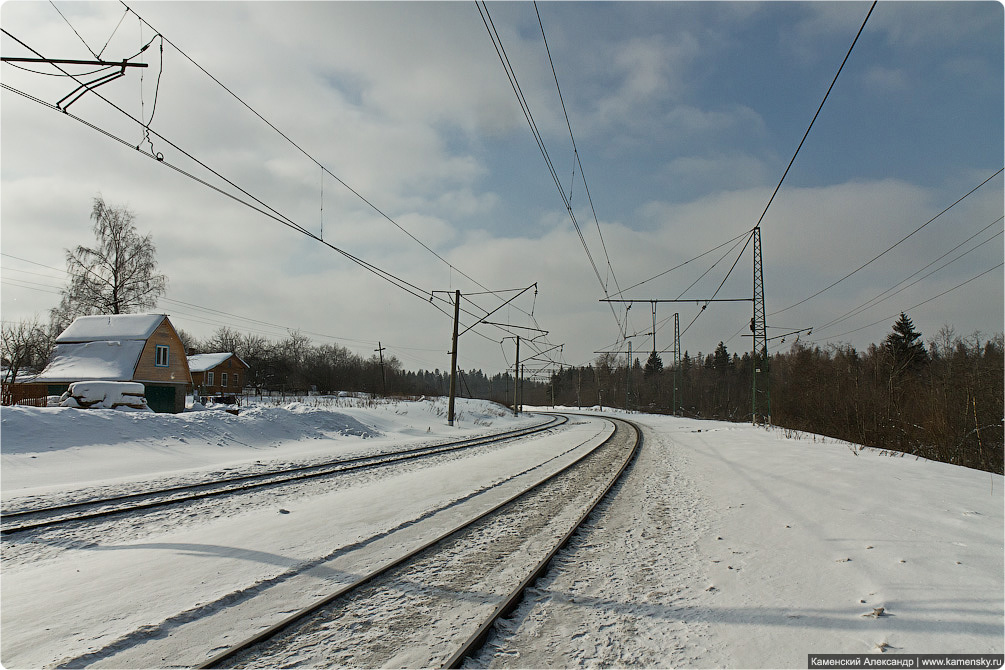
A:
(203, 362)
(111, 327)
(108, 360)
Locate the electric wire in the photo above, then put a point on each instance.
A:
(890, 248)
(271, 213)
(391, 278)
(74, 30)
(826, 95)
(575, 150)
(308, 155)
(680, 265)
(890, 292)
(528, 115)
(786, 172)
(923, 302)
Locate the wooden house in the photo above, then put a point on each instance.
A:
(218, 374)
(141, 348)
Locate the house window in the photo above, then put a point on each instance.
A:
(237, 383)
(223, 379)
(209, 378)
(161, 356)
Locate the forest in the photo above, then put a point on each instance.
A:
(943, 401)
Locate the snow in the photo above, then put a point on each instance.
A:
(726, 545)
(105, 395)
(103, 360)
(736, 546)
(111, 327)
(203, 362)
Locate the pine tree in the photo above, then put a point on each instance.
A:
(904, 346)
(654, 366)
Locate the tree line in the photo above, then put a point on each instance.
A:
(296, 365)
(943, 401)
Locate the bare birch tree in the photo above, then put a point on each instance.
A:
(116, 276)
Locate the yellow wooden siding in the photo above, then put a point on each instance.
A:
(176, 371)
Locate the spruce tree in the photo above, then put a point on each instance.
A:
(904, 346)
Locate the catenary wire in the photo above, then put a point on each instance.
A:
(525, 108)
(923, 302)
(888, 249)
(575, 150)
(890, 292)
(311, 157)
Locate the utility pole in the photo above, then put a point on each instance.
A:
(676, 359)
(579, 390)
(453, 360)
(523, 371)
(516, 380)
(383, 375)
(654, 328)
(628, 374)
(759, 329)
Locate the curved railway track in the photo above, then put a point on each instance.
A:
(435, 605)
(18, 521)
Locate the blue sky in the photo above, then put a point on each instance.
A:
(685, 116)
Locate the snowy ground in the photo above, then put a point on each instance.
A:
(726, 545)
(735, 546)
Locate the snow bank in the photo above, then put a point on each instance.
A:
(60, 446)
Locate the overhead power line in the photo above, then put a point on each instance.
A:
(813, 120)
(500, 50)
(310, 157)
(923, 302)
(263, 209)
(890, 248)
(893, 290)
(575, 151)
(750, 234)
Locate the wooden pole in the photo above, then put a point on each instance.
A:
(453, 360)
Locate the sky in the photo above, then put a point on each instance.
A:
(390, 132)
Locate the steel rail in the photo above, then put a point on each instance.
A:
(477, 639)
(258, 480)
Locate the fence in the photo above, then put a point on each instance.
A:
(24, 394)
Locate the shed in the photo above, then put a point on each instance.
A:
(141, 348)
(218, 374)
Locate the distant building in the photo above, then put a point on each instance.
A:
(218, 374)
(141, 348)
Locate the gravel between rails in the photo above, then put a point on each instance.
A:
(420, 613)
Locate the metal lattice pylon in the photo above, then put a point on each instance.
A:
(760, 406)
(676, 359)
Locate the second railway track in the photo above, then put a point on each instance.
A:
(19, 521)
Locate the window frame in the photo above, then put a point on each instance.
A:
(223, 380)
(209, 378)
(162, 351)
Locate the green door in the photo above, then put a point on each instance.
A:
(160, 398)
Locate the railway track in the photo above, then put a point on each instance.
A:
(22, 520)
(436, 605)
